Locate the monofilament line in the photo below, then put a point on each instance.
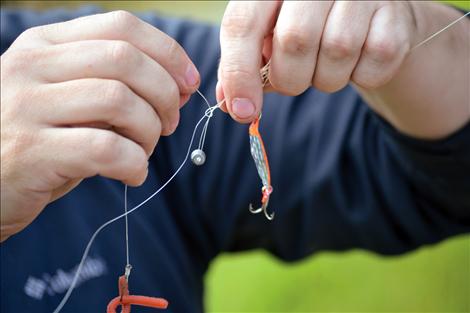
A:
(202, 138)
(207, 114)
(440, 31)
(127, 269)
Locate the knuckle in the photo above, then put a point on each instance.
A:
(338, 47)
(122, 21)
(36, 31)
(115, 96)
(173, 48)
(11, 63)
(382, 50)
(235, 71)
(25, 99)
(16, 61)
(122, 52)
(238, 25)
(105, 147)
(295, 41)
(24, 140)
(16, 143)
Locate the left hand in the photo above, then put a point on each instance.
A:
(326, 44)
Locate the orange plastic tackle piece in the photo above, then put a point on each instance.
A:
(258, 152)
(125, 300)
(253, 130)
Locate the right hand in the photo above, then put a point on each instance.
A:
(84, 97)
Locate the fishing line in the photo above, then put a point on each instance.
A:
(202, 139)
(440, 31)
(128, 267)
(198, 158)
(207, 114)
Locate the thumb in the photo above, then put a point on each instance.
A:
(243, 29)
(64, 189)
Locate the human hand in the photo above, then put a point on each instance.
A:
(84, 97)
(326, 44)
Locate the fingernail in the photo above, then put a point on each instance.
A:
(243, 108)
(191, 76)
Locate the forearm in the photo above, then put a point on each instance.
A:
(429, 97)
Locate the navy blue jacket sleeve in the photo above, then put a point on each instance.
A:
(343, 177)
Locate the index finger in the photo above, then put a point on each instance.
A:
(244, 26)
(121, 25)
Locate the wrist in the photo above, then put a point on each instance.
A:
(430, 19)
(427, 98)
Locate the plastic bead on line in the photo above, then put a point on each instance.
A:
(198, 157)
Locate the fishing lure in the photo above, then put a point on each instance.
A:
(125, 300)
(258, 152)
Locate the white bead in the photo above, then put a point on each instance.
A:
(198, 157)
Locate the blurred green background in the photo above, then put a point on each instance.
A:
(432, 279)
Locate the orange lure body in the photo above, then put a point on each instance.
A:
(260, 157)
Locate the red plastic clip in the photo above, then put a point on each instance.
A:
(125, 300)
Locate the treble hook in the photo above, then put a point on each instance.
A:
(262, 208)
(264, 204)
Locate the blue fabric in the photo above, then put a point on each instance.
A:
(343, 178)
